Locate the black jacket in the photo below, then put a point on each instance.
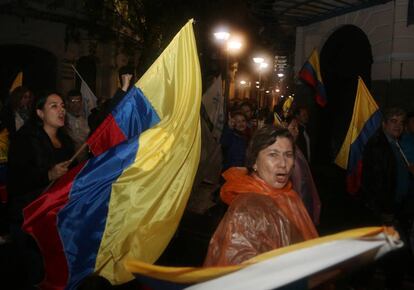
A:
(99, 113)
(379, 175)
(31, 155)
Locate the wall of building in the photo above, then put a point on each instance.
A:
(392, 44)
(50, 36)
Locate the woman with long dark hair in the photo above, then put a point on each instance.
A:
(39, 154)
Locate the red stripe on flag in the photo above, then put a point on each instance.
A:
(308, 77)
(42, 226)
(353, 179)
(320, 100)
(107, 135)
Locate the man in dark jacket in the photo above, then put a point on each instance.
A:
(384, 187)
(384, 172)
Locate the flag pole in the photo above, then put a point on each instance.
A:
(77, 153)
(79, 75)
(402, 154)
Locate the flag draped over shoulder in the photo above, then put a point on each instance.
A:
(366, 119)
(17, 82)
(311, 74)
(126, 202)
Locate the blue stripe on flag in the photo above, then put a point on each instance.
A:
(82, 221)
(134, 113)
(355, 151)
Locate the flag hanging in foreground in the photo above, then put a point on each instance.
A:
(366, 119)
(88, 97)
(311, 74)
(127, 201)
(17, 82)
(291, 263)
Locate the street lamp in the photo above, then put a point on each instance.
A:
(222, 35)
(258, 59)
(234, 45)
(261, 65)
(243, 89)
(231, 45)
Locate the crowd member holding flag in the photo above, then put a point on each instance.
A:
(264, 211)
(384, 185)
(38, 155)
(127, 200)
(98, 114)
(17, 110)
(76, 123)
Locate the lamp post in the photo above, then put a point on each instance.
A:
(261, 66)
(230, 45)
(243, 87)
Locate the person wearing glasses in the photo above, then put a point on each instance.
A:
(76, 123)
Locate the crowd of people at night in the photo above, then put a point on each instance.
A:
(267, 184)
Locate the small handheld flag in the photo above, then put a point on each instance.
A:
(311, 74)
(366, 119)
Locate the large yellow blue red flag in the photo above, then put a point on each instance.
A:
(296, 263)
(366, 119)
(126, 202)
(311, 74)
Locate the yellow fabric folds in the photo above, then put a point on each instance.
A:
(18, 82)
(190, 275)
(148, 199)
(364, 108)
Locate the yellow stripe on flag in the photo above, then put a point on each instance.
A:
(190, 275)
(148, 199)
(314, 61)
(364, 108)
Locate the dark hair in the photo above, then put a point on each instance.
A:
(237, 113)
(263, 138)
(39, 104)
(245, 103)
(390, 112)
(298, 109)
(288, 119)
(74, 93)
(40, 101)
(410, 115)
(16, 96)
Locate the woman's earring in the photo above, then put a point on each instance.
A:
(254, 169)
